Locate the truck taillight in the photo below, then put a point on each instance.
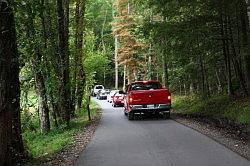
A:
(130, 99)
(169, 97)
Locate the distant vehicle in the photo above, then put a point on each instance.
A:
(147, 97)
(101, 94)
(111, 95)
(107, 91)
(118, 99)
(96, 89)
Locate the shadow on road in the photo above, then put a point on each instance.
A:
(145, 117)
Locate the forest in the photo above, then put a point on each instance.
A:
(53, 52)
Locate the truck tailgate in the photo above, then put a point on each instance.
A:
(159, 96)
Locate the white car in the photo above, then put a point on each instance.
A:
(111, 95)
(96, 89)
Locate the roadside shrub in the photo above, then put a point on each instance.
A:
(218, 106)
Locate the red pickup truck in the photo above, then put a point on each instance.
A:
(148, 97)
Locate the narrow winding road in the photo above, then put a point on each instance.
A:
(152, 142)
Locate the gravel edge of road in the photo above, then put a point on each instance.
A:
(219, 135)
(68, 156)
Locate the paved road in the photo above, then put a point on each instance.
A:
(152, 142)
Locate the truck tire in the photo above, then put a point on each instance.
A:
(130, 115)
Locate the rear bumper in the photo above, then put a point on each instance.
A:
(118, 102)
(151, 108)
(102, 97)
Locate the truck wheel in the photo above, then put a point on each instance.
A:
(166, 115)
(130, 116)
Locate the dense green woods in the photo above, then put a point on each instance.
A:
(194, 48)
(61, 49)
(199, 47)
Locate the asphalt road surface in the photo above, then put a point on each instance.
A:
(152, 142)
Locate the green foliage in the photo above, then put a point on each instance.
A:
(96, 63)
(39, 144)
(29, 115)
(216, 106)
(188, 33)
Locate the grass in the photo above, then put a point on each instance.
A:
(40, 145)
(216, 106)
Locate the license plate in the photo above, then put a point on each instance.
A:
(151, 106)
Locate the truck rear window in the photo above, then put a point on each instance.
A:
(99, 87)
(145, 86)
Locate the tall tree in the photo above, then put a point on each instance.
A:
(64, 62)
(80, 27)
(9, 87)
(123, 27)
(245, 20)
(38, 71)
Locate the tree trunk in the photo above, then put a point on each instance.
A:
(191, 88)
(238, 70)
(39, 79)
(165, 71)
(149, 63)
(55, 109)
(149, 67)
(102, 32)
(124, 76)
(219, 85)
(116, 63)
(202, 74)
(185, 89)
(53, 62)
(135, 74)
(76, 55)
(165, 68)
(245, 20)
(80, 88)
(224, 35)
(42, 101)
(10, 125)
(129, 74)
(66, 60)
(64, 80)
(81, 79)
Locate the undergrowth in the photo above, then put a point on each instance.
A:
(40, 144)
(218, 106)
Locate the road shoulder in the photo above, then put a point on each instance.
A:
(223, 136)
